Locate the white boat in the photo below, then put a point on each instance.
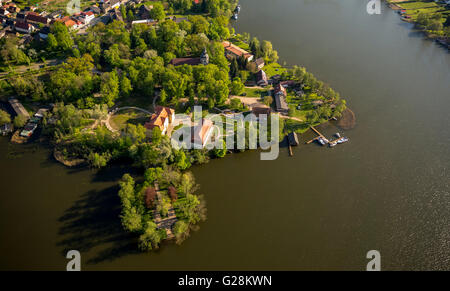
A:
(235, 16)
(332, 144)
(337, 134)
(321, 141)
(342, 140)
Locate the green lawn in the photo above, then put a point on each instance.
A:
(255, 92)
(119, 121)
(273, 69)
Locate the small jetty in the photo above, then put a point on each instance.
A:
(321, 139)
(292, 141)
(320, 136)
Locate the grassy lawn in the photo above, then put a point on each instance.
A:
(273, 69)
(255, 92)
(119, 121)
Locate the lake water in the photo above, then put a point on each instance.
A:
(322, 209)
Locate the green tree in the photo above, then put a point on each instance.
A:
(109, 87)
(52, 43)
(181, 160)
(125, 86)
(20, 121)
(4, 117)
(62, 35)
(237, 87)
(157, 12)
(151, 238)
(97, 160)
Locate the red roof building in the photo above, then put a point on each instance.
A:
(162, 118)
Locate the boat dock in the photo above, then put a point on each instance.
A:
(292, 141)
(18, 107)
(324, 141)
(317, 137)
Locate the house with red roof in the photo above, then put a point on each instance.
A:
(233, 51)
(162, 118)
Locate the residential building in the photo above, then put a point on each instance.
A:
(280, 94)
(261, 78)
(87, 17)
(24, 27)
(260, 63)
(162, 118)
(33, 17)
(233, 51)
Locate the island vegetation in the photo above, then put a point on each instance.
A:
(84, 77)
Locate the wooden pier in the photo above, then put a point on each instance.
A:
(317, 137)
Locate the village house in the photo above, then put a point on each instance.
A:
(33, 17)
(279, 93)
(261, 78)
(70, 22)
(106, 5)
(87, 17)
(288, 83)
(56, 14)
(233, 51)
(260, 63)
(162, 118)
(202, 60)
(23, 27)
(201, 133)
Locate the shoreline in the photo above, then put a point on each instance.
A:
(396, 6)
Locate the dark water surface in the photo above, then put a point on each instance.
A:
(323, 209)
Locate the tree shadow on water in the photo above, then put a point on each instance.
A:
(93, 222)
